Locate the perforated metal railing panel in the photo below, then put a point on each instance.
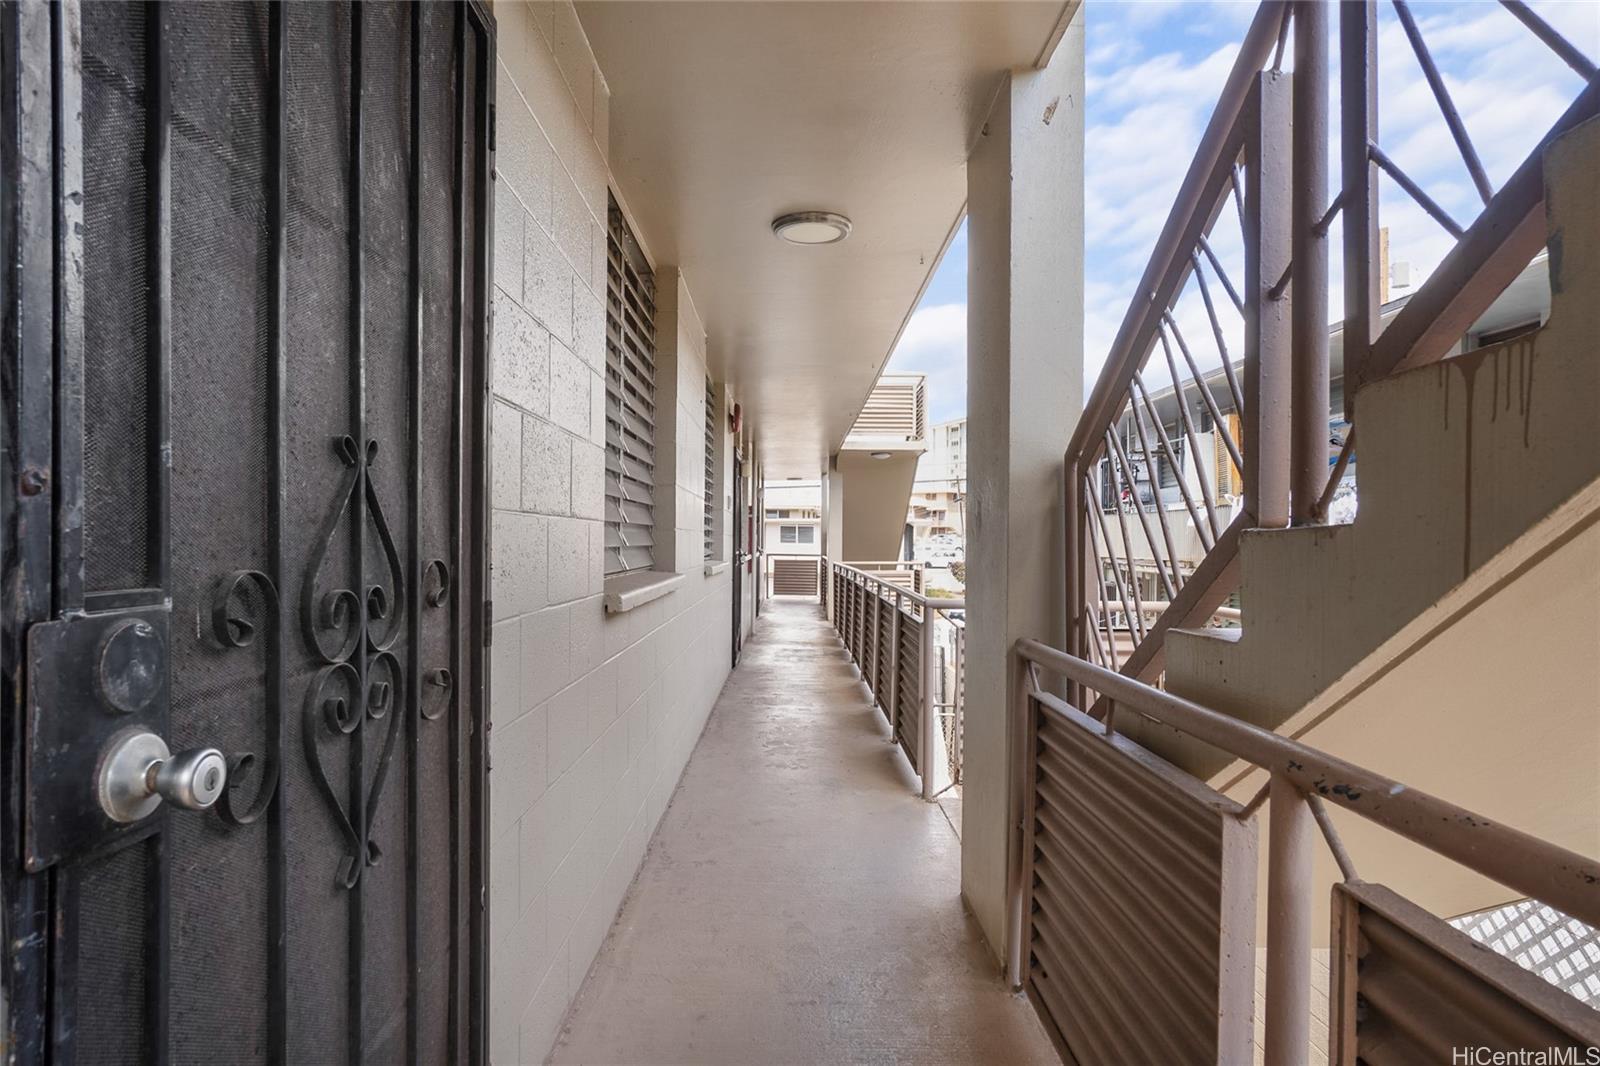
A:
(1406, 987)
(1140, 886)
(882, 652)
(794, 577)
(908, 713)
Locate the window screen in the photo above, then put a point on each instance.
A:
(630, 402)
(709, 520)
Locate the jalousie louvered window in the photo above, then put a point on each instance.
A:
(709, 523)
(630, 402)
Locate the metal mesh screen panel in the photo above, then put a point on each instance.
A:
(108, 974)
(221, 476)
(440, 392)
(386, 179)
(116, 446)
(318, 403)
(112, 955)
(477, 62)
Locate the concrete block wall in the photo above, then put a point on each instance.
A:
(593, 715)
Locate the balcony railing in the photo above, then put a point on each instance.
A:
(792, 573)
(911, 652)
(908, 574)
(1245, 251)
(1133, 897)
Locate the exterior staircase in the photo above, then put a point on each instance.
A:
(1479, 517)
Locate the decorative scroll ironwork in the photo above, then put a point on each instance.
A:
(245, 600)
(339, 629)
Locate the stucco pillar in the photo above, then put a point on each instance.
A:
(832, 525)
(1024, 395)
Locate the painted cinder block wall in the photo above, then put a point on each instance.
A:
(593, 715)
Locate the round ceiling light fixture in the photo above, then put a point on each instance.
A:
(812, 227)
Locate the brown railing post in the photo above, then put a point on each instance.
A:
(930, 706)
(958, 701)
(1268, 192)
(1019, 805)
(1291, 836)
(1358, 120)
(1075, 637)
(876, 655)
(1309, 285)
(849, 601)
(894, 658)
(859, 608)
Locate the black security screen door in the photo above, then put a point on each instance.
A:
(245, 321)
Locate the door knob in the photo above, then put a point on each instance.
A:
(138, 772)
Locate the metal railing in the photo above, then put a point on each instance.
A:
(793, 573)
(1262, 167)
(907, 573)
(914, 671)
(950, 693)
(1167, 864)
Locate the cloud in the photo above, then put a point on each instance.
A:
(935, 343)
(1154, 75)
(1154, 71)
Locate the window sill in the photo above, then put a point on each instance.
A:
(713, 569)
(624, 592)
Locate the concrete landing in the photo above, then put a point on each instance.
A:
(799, 903)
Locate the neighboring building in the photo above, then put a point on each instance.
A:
(938, 513)
(793, 518)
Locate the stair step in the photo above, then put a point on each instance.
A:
(1458, 462)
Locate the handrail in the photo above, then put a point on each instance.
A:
(1301, 780)
(932, 603)
(903, 564)
(1285, 211)
(1538, 869)
(1240, 162)
(859, 618)
(1265, 151)
(1168, 264)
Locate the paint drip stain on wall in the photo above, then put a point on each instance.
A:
(1514, 362)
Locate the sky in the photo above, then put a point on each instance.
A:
(1154, 69)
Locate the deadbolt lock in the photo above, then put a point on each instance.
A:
(138, 772)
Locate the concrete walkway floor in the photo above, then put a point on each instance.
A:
(799, 903)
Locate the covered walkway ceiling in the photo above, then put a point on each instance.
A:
(727, 115)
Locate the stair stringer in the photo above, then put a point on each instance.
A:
(1456, 461)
